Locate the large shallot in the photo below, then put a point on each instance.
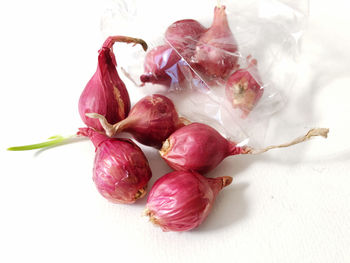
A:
(106, 93)
(180, 201)
(199, 147)
(121, 171)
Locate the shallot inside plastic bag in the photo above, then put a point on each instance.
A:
(229, 64)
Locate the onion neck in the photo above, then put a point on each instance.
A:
(110, 129)
(96, 137)
(220, 18)
(106, 53)
(216, 184)
(233, 149)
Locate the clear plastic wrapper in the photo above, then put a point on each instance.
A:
(229, 64)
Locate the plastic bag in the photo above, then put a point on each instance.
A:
(266, 31)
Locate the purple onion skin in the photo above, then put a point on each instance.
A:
(216, 52)
(180, 201)
(164, 66)
(121, 171)
(183, 36)
(105, 93)
(152, 120)
(197, 147)
(244, 90)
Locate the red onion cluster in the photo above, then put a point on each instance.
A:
(180, 200)
(210, 54)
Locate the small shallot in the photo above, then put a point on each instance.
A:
(180, 201)
(244, 88)
(150, 121)
(164, 66)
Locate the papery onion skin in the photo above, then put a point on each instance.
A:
(121, 171)
(243, 89)
(197, 147)
(217, 50)
(180, 201)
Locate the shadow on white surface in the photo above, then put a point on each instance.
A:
(230, 207)
(158, 168)
(319, 70)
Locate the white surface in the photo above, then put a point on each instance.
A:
(285, 206)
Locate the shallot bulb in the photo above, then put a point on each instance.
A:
(216, 52)
(199, 147)
(164, 66)
(183, 36)
(121, 170)
(150, 121)
(106, 93)
(180, 201)
(243, 89)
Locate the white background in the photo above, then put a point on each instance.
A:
(284, 206)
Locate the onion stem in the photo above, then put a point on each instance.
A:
(110, 129)
(112, 39)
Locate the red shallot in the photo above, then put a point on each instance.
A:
(106, 93)
(217, 50)
(180, 201)
(199, 147)
(164, 66)
(183, 36)
(150, 121)
(121, 170)
(168, 64)
(243, 89)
